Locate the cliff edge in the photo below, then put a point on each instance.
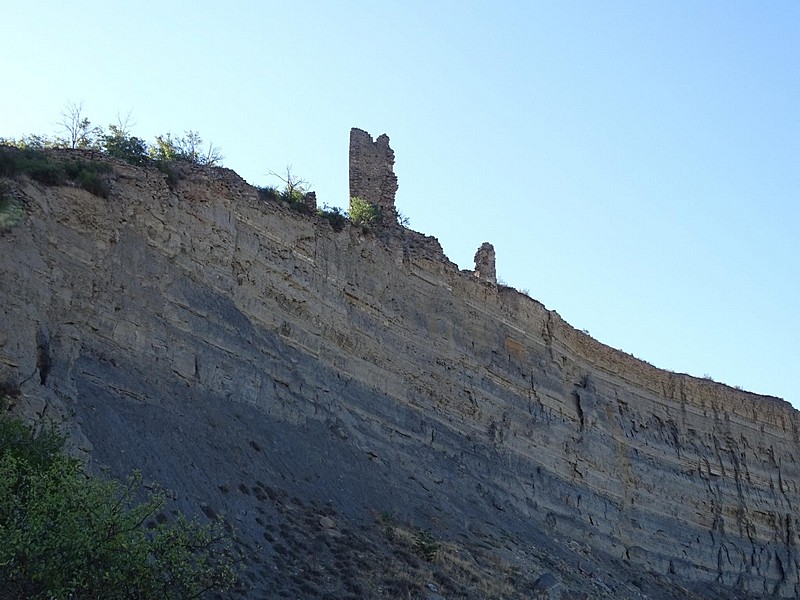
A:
(269, 369)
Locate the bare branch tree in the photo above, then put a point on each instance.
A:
(125, 124)
(293, 183)
(213, 156)
(193, 148)
(77, 127)
(191, 145)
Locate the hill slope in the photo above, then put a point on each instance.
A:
(347, 400)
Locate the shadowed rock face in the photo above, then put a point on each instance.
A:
(265, 367)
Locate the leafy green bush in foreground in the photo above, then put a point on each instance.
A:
(64, 534)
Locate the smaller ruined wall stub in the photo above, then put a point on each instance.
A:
(485, 263)
(372, 169)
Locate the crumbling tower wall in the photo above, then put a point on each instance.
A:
(371, 170)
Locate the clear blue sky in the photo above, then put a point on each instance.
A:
(635, 164)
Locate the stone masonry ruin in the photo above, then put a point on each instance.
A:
(372, 176)
(485, 263)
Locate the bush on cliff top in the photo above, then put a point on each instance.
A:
(188, 148)
(119, 144)
(365, 214)
(67, 535)
(49, 170)
(78, 132)
(333, 215)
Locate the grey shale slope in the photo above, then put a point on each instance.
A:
(238, 352)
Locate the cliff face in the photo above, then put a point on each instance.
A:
(213, 340)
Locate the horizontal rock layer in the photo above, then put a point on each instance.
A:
(161, 318)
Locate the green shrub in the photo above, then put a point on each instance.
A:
(10, 209)
(269, 193)
(334, 215)
(66, 535)
(294, 192)
(8, 161)
(47, 172)
(44, 168)
(92, 182)
(75, 168)
(168, 169)
(188, 148)
(89, 175)
(32, 162)
(296, 200)
(165, 149)
(365, 214)
(120, 144)
(18, 440)
(293, 196)
(424, 545)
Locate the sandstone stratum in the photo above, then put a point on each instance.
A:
(371, 421)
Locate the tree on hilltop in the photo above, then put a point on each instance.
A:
(188, 148)
(78, 129)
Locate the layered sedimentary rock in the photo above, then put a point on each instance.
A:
(382, 377)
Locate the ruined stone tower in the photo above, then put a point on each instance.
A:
(371, 170)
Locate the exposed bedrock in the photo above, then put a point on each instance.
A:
(180, 329)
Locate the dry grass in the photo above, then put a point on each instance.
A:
(10, 208)
(454, 569)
